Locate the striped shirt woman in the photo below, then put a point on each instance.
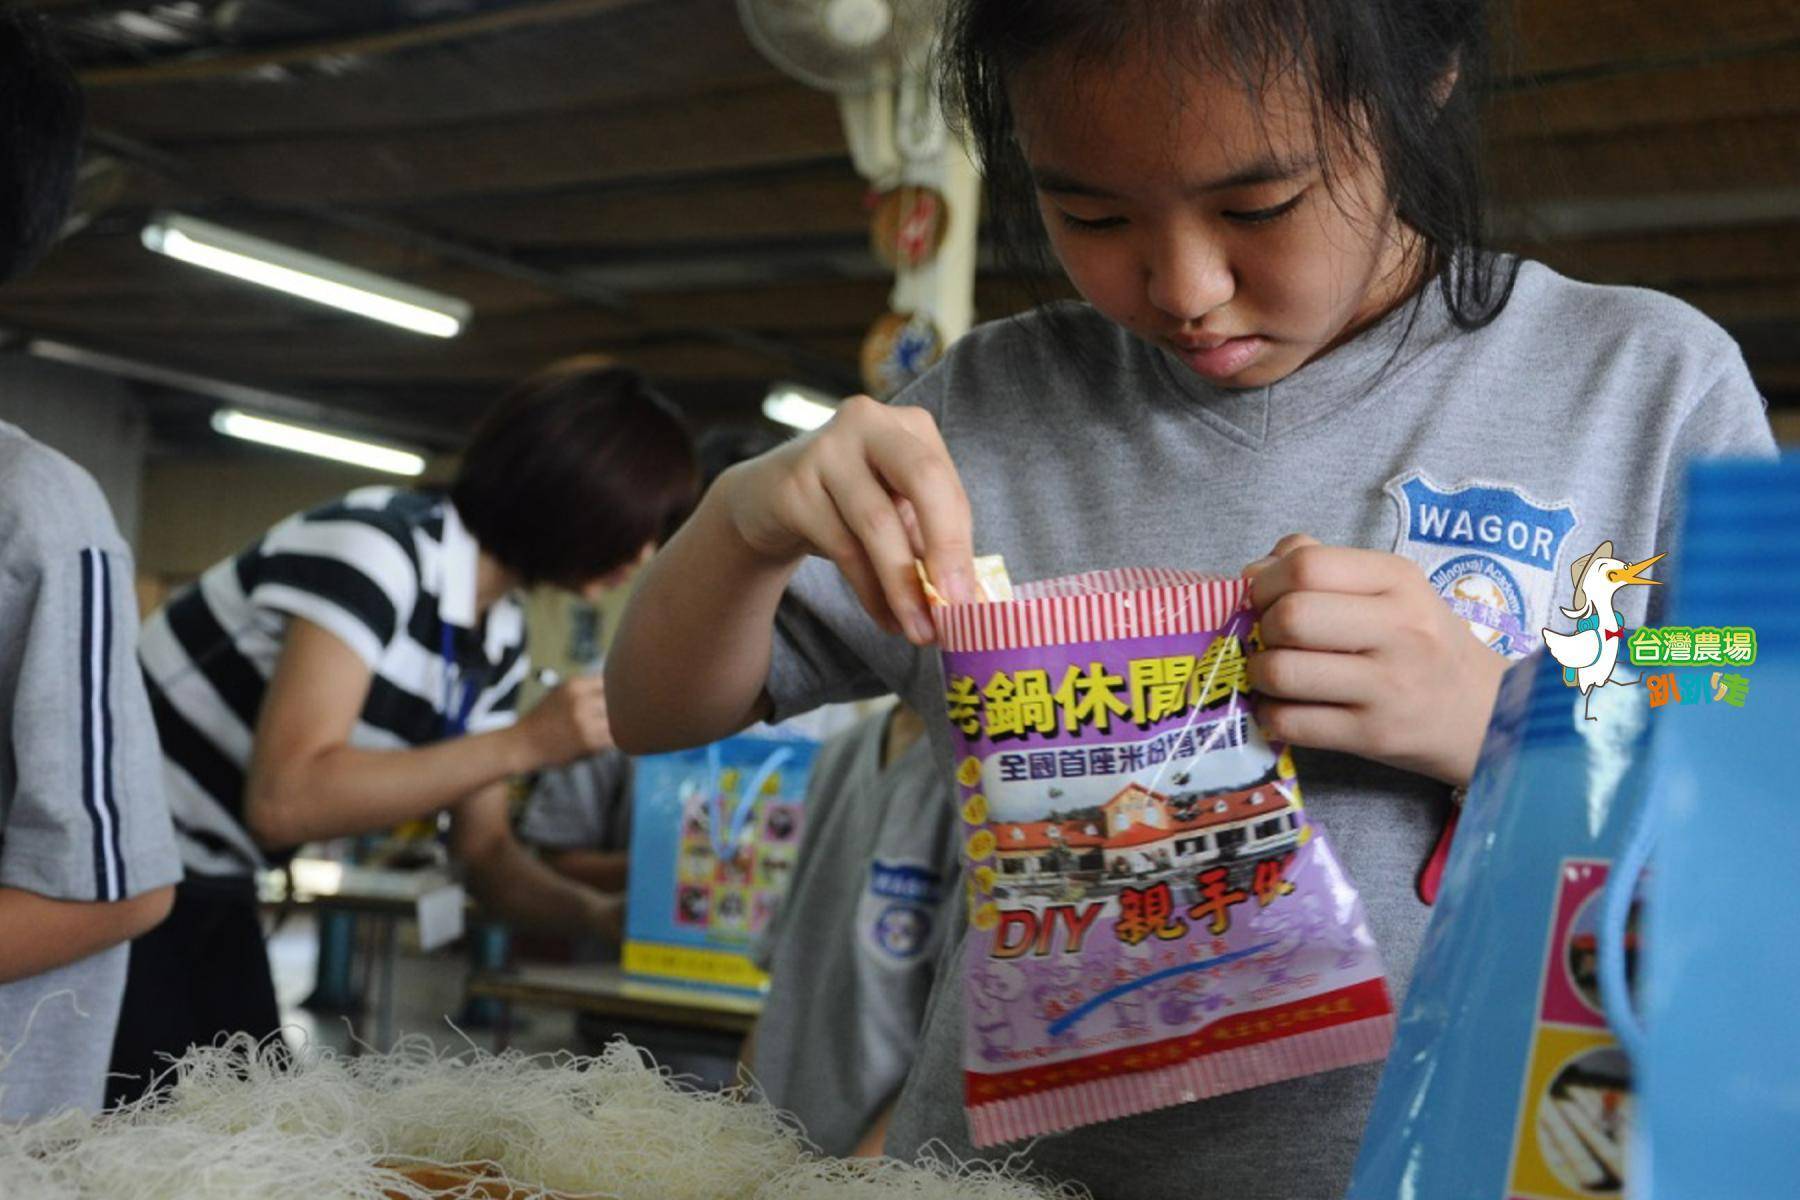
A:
(358, 667)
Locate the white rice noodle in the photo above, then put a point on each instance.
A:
(247, 1121)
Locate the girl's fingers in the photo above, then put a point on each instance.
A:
(825, 530)
(869, 513)
(1291, 543)
(854, 564)
(1316, 568)
(911, 458)
(1284, 547)
(1326, 621)
(909, 517)
(1312, 676)
(1320, 726)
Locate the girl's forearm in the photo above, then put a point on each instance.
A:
(692, 652)
(39, 934)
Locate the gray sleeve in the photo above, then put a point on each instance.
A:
(1729, 419)
(81, 782)
(823, 645)
(583, 806)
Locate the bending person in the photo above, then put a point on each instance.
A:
(358, 666)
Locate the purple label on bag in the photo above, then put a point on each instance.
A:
(1152, 914)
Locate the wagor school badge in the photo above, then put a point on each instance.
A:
(1489, 550)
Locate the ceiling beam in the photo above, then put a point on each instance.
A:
(1711, 90)
(324, 368)
(1551, 37)
(1551, 220)
(670, 48)
(770, 125)
(1680, 258)
(1752, 153)
(1732, 303)
(825, 198)
(214, 65)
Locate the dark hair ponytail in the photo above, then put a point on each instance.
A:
(41, 115)
(1410, 73)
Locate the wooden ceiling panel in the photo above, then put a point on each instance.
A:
(1675, 95)
(807, 201)
(646, 145)
(1733, 303)
(1682, 258)
(634, 52)
(312, 366)
(1553, 36)
(764, 126)
(1714, 156)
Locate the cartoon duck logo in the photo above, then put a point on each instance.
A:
(1589, 654)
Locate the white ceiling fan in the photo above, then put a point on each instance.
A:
(875, 56)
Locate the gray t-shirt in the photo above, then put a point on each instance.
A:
(81, 805)
(1494, 458)
(854, 949)
(583, 806)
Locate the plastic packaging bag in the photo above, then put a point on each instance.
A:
(1506, 1079)
(1720, 1047)
(1154, 919)
(1510, 1075)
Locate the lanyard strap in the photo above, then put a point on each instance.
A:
(459, 693)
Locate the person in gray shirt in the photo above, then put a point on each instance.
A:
(578, 817)
(1291, 322)
(1422, 487)
(87, 853)
(853, 950)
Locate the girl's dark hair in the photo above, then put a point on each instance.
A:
(41, 114)
(573, 471)
(1379, 66)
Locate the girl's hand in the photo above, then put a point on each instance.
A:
(568, 723)
(1361, 655)
(871, 490)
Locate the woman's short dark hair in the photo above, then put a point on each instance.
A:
(573, 471)
(1379, 66)
(41, 114)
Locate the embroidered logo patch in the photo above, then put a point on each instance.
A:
(1489, 551)
(900, 907)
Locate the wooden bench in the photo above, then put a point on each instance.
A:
(605, 990)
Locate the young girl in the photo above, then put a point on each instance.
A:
(1271, 209)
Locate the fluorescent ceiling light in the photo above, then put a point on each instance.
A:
(322, 280)
(801, 407)
(236, 423)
